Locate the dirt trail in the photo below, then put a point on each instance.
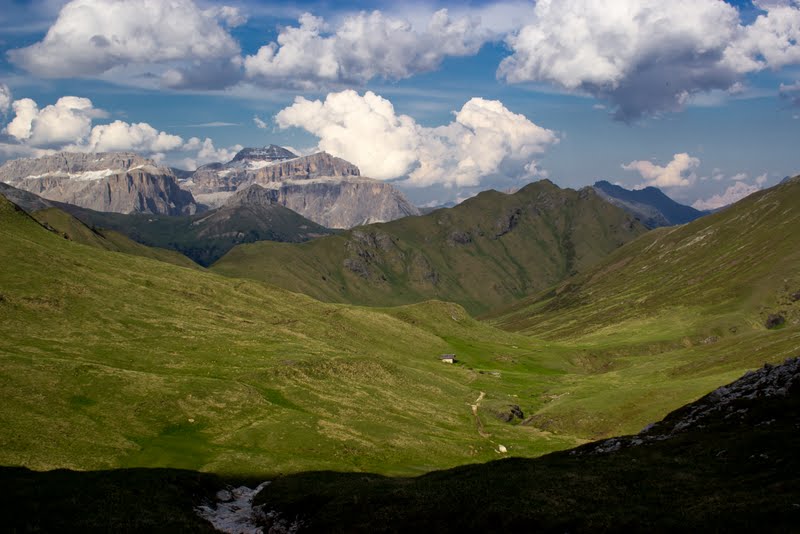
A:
(478, 422)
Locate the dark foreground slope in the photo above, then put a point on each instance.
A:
(488, 251)
(727, 462)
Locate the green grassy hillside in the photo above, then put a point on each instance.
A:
(672, 312)
(71, 228)
(486, 252)
(206, 237)
(110, 360)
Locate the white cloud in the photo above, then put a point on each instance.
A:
(761, 179)
(738, 177)
(674, 174)
(732, 194)
(364, 46)
(5, 98)
(207, 153)
(121, 136)
(771, 41)
(260, 123)
(485, 139)
(70, 118)
(67, 125)
(650, 56)
(92, 36)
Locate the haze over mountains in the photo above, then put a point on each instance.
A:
(650, 205)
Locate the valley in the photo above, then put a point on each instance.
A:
(119, 357)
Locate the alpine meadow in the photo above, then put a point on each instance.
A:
(446, 267)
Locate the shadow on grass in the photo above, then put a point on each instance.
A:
(737, 470)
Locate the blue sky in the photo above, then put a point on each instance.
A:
(686, 95)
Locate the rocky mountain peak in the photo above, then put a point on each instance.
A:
(269, 153)
(253, 195)
(121, 182)
(316, 165)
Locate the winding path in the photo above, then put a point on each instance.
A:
(478, 422)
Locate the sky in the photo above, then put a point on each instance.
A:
(698, 97)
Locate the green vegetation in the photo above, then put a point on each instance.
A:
(730, 474)
(488, 251)
(672, 314)
(206, 237)
(112, 361)
(71, 228)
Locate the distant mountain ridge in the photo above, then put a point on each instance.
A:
(485, 252)
(327, 190)
(650, 205)
(121, 182)
(251, 214)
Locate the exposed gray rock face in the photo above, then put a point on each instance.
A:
(116, 182)
(328, 190)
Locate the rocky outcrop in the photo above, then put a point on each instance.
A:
(327, 190)
(111, 182)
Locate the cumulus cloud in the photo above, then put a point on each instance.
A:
(5, 99)
(771, 41)
(649, 56)
(93, 36)
(676, 173)
(69, 119)
(732, 194)
(121, 136)
(259, 122)
(207, 152)
(485, 139)
(68, 125)
(364, 46)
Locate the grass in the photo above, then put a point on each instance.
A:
(486, 252)
(113, 361)
(204, 237)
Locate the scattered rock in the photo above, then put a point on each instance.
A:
(709, 340)
(775, 320)
(460, 238)
(357, 267)
(796, 297)
(501, 449)
(514, 411)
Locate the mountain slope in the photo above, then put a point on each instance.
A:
(62, 223)
(729, 270)
(252, 214)
(323, 188)
(650, 205)
(730, 466)
(733, 469)
(111, 360)
(109, 181)
(486, 252)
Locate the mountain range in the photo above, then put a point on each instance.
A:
(650, 205)
(328, 190)
(161, 384)
(490, 249)
(120, 182)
